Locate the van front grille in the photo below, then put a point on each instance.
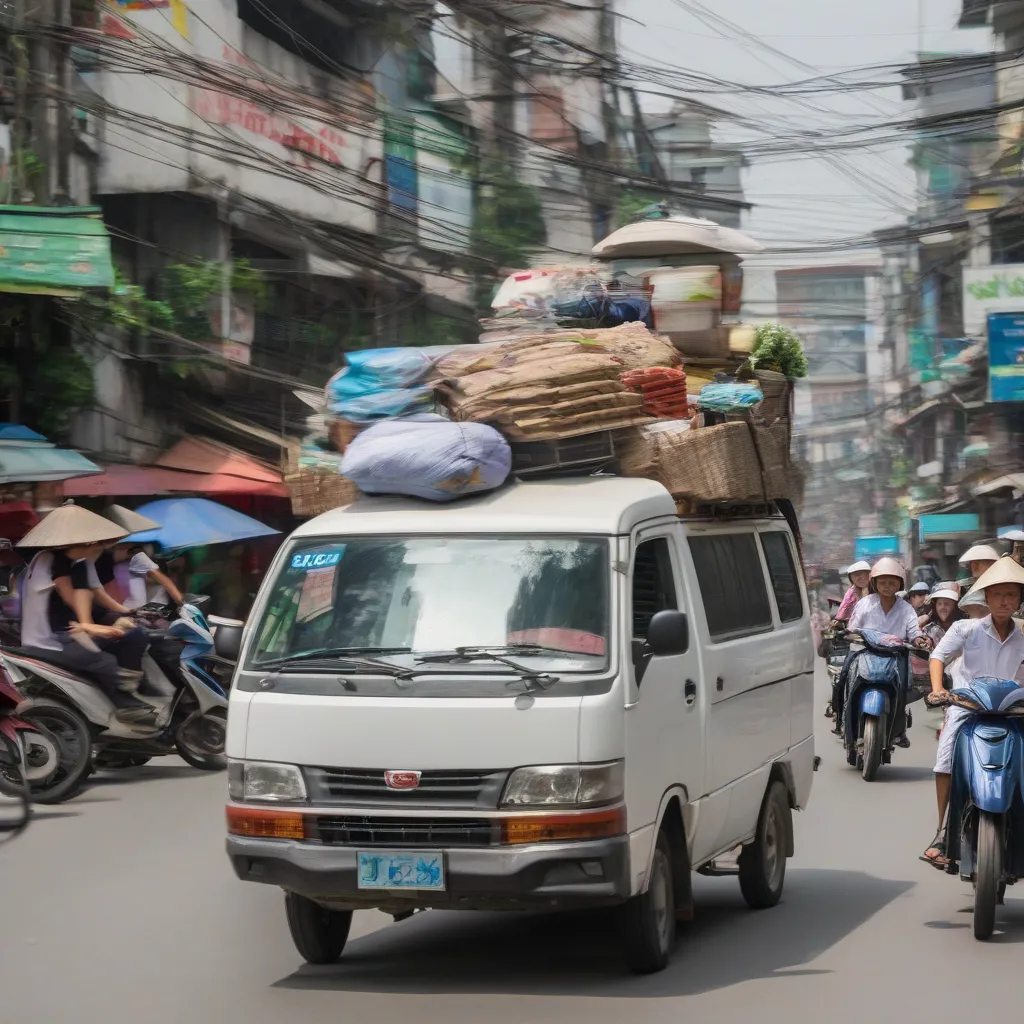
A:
(357, 830)
(365, 787)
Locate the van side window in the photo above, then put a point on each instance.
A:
(654, 588)
(731, 584)
(779, 556)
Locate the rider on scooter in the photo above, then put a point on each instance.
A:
(58, 612)
(992, 646)
(859, 575)
(883, 611)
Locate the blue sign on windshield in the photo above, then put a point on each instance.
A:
(316, 559)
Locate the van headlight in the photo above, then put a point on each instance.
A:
(265, 782)
(564, 785)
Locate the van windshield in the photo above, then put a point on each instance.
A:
(544, 598)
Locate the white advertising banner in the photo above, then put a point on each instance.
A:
(997, 289)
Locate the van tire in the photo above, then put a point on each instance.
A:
(762, 863)
(648, 923)
(319, 934)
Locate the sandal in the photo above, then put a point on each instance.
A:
(938, 844)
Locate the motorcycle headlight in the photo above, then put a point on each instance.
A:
(265, 782)
(564, 785)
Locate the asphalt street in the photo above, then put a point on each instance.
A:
(121, 905)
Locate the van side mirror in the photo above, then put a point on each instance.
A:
(227, 637)
(668, 633)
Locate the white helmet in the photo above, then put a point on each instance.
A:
(858, 567)
(889, 567)
(979, 553)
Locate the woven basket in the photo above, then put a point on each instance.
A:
(343, 432)
(776, 389)
(772, 445)
(313, 494)
(709, 464)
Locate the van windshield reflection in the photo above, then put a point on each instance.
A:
(540, 599)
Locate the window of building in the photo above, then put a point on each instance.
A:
(732, 584)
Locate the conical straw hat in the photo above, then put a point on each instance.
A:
(1006, 570)
(70, 525)
(129, 520)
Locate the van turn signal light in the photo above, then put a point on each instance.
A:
(265, 823)
(547, 828)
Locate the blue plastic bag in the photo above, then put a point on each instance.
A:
(427, 457)
(379, 369)
(381, 404)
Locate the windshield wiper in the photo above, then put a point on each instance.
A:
(465, 655)
(355, 656)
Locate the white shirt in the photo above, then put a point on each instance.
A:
(131, 576)
(982, 652)
(901, 620)
(35, 604)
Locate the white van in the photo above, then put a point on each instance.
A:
(558, 695)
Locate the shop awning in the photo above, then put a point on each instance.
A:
(1012, 481)
(147, 481)
(201, 455)
(902, 421)
(24, 460)
(54, 250)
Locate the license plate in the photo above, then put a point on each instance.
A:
(401, 869)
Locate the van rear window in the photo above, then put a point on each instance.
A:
(731, 584)
(782, 569)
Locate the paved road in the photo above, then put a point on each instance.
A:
(121, 906)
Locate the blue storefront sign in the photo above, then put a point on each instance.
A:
(876, 547)
(940, 527)
(1006, 357)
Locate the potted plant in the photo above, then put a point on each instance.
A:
(777, 348)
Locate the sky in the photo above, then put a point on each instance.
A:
(801, 201)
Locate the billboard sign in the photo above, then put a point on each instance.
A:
(1006, 357)
(998, 289)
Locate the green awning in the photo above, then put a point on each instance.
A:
(40, 462)
(54, 250)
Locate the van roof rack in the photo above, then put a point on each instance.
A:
(727, 509)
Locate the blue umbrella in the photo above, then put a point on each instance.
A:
(195, 522)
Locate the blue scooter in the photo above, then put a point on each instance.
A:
(985, 830)
(877, 688)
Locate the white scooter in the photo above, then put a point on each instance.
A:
(191, 710)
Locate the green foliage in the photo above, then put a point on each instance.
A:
(126, 307)
(63, 384)
(633, 205)
(509, 221)
(189, 288)
(778, 348)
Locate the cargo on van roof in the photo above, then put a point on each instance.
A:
(595, 505)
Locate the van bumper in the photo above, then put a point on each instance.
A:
(591, 873)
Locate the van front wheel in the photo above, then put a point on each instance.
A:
(319, 934)
(763, 862)
(649, 918)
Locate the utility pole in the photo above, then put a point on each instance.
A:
(19, 135)
(65, 106)
(40, 81)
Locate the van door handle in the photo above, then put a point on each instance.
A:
(690, 692)
(719, 684)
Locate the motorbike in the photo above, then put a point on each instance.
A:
(837, 650)
(182, 680)
(44, 749)
(878, 692)
(985, 831)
